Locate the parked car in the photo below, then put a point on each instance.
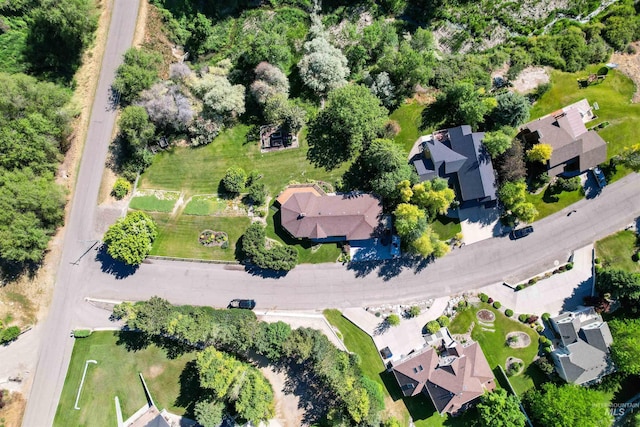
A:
(521, 232)
(599, 177)
(248, 304)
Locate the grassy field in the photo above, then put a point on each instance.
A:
(494, 345)
(199, 170)
(548, 204)
(613, 95)
(116, 374)
(409, 117)
(178, 237)
(205, 205)
(616, 250)
(419, 408)
(152, 204)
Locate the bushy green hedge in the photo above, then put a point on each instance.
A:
(508, 312)
(81, 333)
(279, 257)
(9, 334)
(483, 297)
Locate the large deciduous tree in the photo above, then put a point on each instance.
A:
(352, 118)
(626, 342)
(137, 73)
(514, 199)
(167, 106)
(462, 105)
(497, 142)
(130, 239)
(621, 285)
(219, 96)
(270, 81)
(499, 409)
(540, 153)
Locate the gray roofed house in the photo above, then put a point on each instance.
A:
(452, 375)
(583, 356)
(575, 149)
(458, 155)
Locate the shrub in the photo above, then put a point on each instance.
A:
(81, 333)
(443, 321)
(121, 188)
(433, 326)
(490, 300)
(636, 257)
(378, 314)
(277, 258)
(569, 266)
(523, 318)
(562, 268)
(483, 297)
(597, 260)
(257, 192)
(520, 287)
(508, 312)
(414, 311)
(497, 305)
(9, 334)
(234, 180)
(542, 339)
(532, 318)
(546, 316)
(547, 350)
(393, 320)
(462, 304)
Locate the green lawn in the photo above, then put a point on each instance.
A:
(494, 345)
(308, 253)
(205, 205)
(616, 250)
(548, 204)
(446, 227)
(419, 408)
(613, 95)
(116, 374)
(178, 236)
(199, 170)
(409, 116)
(152, 204)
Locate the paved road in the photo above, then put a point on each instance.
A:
(56, 345)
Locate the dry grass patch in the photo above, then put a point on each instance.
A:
(11, 414)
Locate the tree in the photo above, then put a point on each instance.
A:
(433, 326)
(234, 180)
(567, 406)
(626, 341)
(167, 106)
(257, 192)
(277, 257)
(151, 317)
(433, 196)
(443, 321)
(540, 153)
(621, 285)
(217, 371)
(428, 244)
(352, 118)
(278, 109)
(383, 88)
(393, 320)
(512, 110)
(137, 73)
(255, 398)
(513, 197)
(202, 131)
(121, 188)
(200, 30)
(219, 96)
(209, 413)
(410, 221)
(462, 104)
(323, 66)
(497, 142)
(271, 338)
(135, 128)
(130, 239)
(499, 409)
(270, 81)
(510, 165)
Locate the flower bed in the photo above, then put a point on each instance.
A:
(210, 238)
(568, 266)
(486, 315)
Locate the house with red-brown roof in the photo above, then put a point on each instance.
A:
(307, 212)
(454, 376)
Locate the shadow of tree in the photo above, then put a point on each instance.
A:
(381, 328)
(190, 390)
(132, 340)
(265, 273)
(315, 400)
(116, 268)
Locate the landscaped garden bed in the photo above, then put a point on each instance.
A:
(210, 239)
(568, 266)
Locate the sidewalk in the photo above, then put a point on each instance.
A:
(401, 339)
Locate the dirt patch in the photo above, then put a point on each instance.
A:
(518, 339)
(530, 78)
(486, 315)
(288, 407)
(154, 38)
(11, 414)
(155, 371)
(629, 64)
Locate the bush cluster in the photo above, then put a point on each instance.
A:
(508, 312)
(483, 297)
(9, 334)
(121, 188)
(277, 257)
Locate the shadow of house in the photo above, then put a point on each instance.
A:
(457, 155)
(147, 416)
(575, 149)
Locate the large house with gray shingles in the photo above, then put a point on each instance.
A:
(575, 149)
(458, 155)
(453, 375)
(583, 355)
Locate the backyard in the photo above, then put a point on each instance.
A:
(116, 374)
(615, 251)
(492, 338)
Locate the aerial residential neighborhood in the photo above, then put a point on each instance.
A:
(290, 213)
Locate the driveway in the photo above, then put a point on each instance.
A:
(480, 223)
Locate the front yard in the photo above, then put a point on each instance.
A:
(615, 251)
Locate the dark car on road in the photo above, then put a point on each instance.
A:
(248, 304)
(521, 232)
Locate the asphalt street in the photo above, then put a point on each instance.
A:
(307, 286)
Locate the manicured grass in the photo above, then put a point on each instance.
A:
(204, 205)
(548, 204)
(446, 227)
(613, 96)
(152, 204)
(494, 345)
(178, 237)
(116, 374)
(615, 251)
(419, 408)
(308, 252)
(199, 170)
(409, 116)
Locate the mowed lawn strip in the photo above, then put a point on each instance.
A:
(151, 204)
(409, 117)
(116, 374)
(547, 204)
(494, 345)
(178, 236)
(615, 251)
(199, 170)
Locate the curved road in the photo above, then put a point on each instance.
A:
(307, 286)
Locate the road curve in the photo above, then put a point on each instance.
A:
(56, 346)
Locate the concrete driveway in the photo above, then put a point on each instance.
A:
(480, 223)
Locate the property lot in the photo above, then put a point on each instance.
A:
(616, 251)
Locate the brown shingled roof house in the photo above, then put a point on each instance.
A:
(453, 376)
(575, 149)
(307, 212)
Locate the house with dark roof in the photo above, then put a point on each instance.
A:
(454, 376)
(575, 149)
(583, 355)
(307, 212)
(458, 155)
